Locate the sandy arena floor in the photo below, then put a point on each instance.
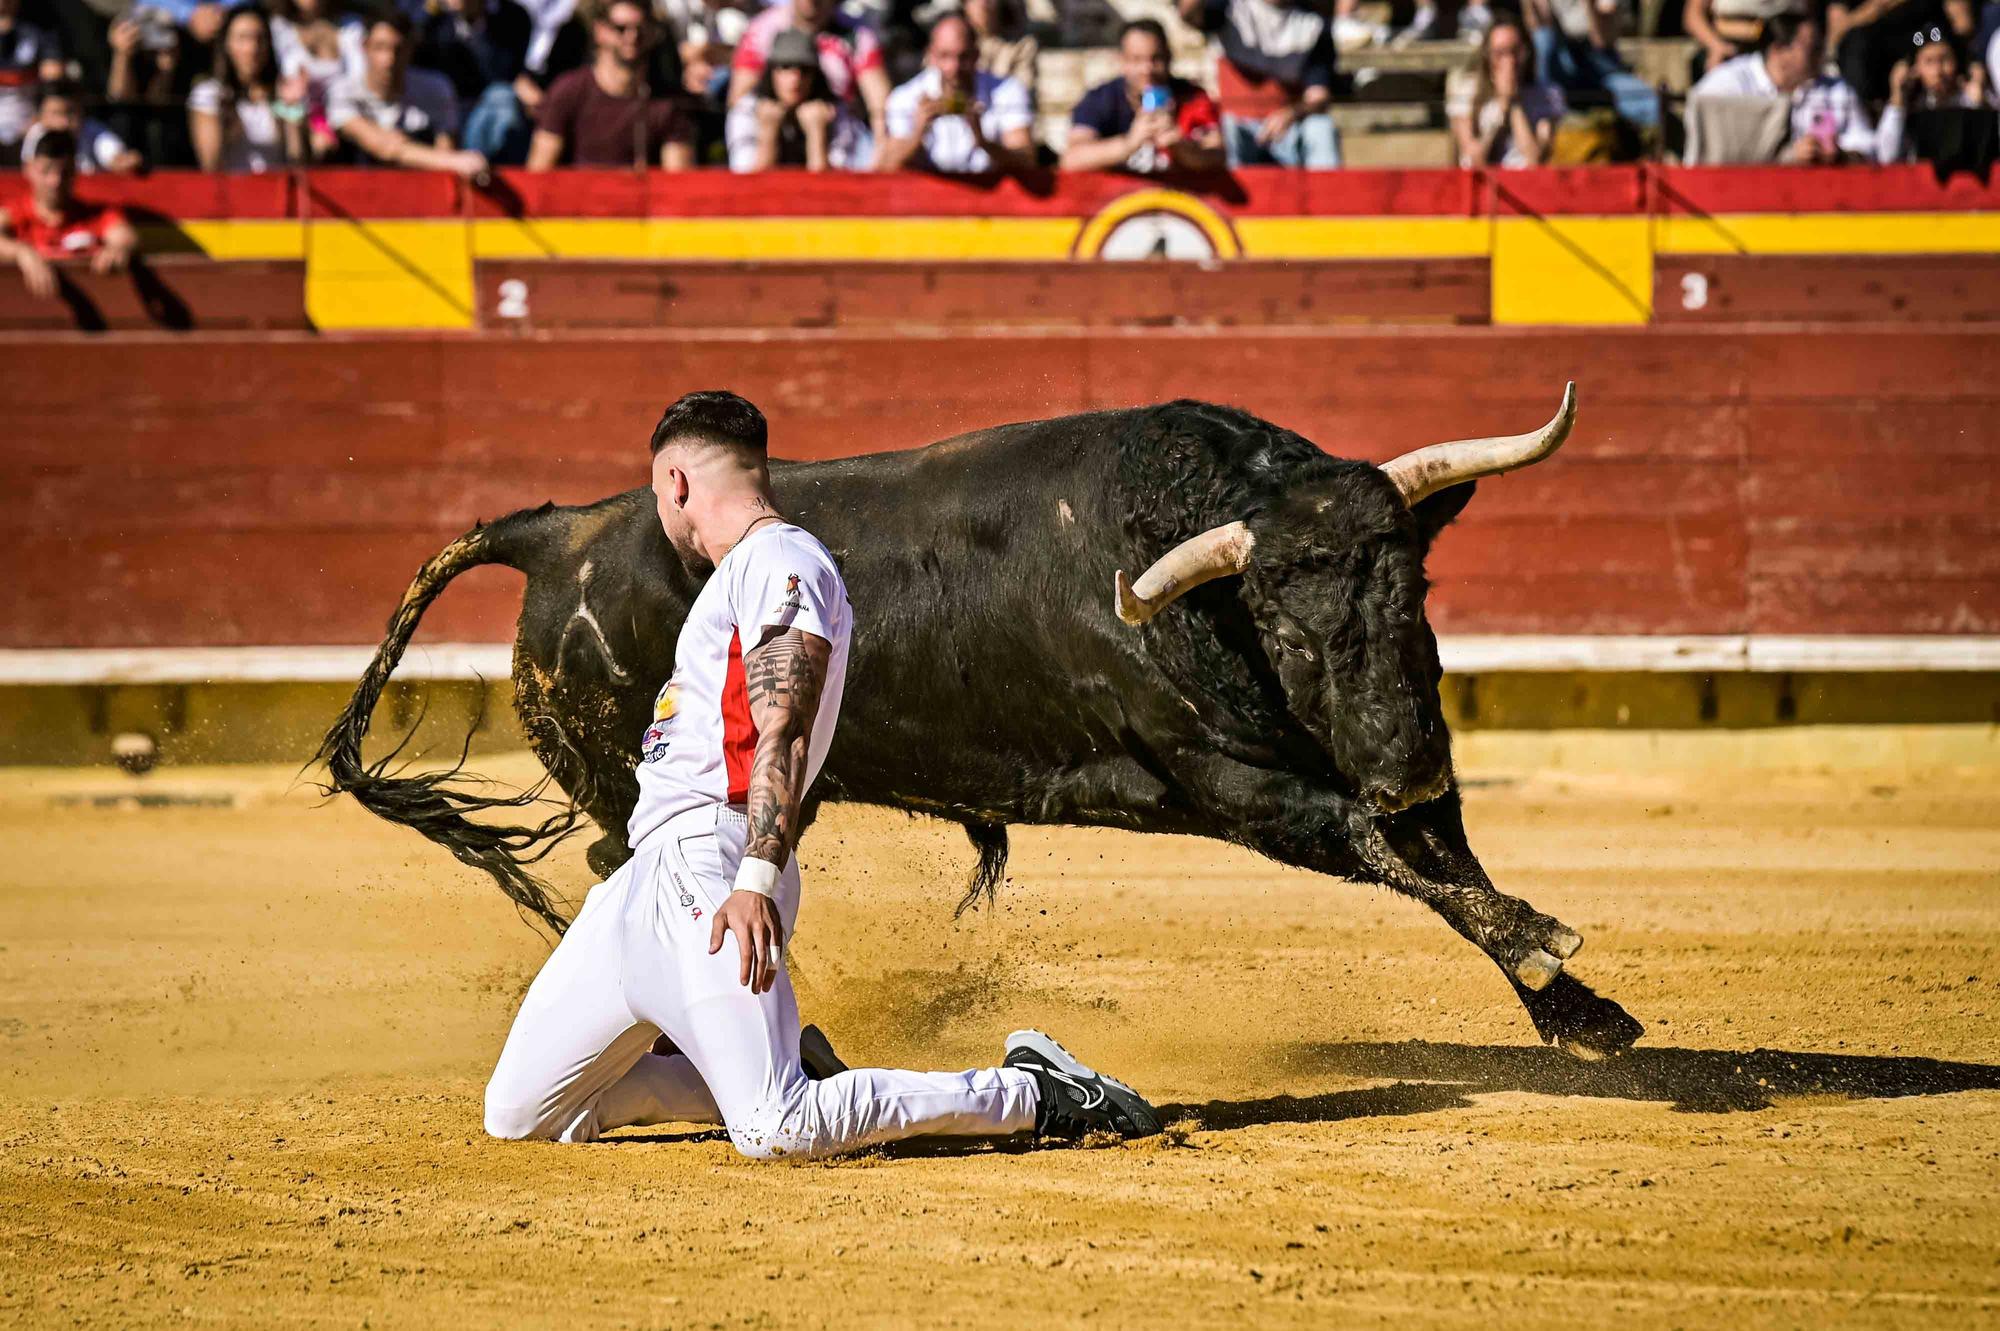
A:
(242, 1045)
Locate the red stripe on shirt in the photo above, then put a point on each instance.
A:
(739, 732)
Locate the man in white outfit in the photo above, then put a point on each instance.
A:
(739, 734)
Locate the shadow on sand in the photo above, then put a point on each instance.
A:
(1431, 1077)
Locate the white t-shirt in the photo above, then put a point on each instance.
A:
(948, 142)
(699, 747)
(427, 108)
(252, 138)
(97, 148)
(351, 61)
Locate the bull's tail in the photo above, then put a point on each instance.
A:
(437, 803)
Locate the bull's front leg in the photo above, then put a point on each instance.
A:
(1422, 853)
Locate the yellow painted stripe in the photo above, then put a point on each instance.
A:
(1572, 270)
(1364, 237)
(389, 275)
(825, 238)
(1829, 233)
(227, 240)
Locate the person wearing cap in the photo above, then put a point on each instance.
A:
(954, 117)
(50, 222)
(792, 118)
(850, 54)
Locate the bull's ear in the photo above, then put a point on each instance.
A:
(1435, 513)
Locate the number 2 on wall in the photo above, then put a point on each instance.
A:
(513, 299)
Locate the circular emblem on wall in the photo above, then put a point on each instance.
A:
(1157, 224)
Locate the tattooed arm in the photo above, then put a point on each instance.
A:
(783, 675)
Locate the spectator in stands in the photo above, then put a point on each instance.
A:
(1501, 114)
(1576, 47)
(397, 116)
(1929, 80)
(1006, 49)
(50, 223)
(792, 118)
(481, 46)
(850, 55)
(1869, 37)
(607, 114)
(1725, 29)
(236, 120)
(59, 106)
(954, 118)
(1275, 77)
(1829, 123)
(1146, 119)
(319, 44)
(29, 55)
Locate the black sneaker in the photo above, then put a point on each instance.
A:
(816, 1053)
(1074, 1100)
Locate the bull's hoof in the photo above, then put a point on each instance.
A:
(1537, 970)
(1563, 942)
(1569, 1015)
(607, 854)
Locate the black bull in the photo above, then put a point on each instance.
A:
(1292, 709)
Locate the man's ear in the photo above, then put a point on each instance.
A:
(1435, 513)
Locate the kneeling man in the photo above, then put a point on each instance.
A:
(740, 732)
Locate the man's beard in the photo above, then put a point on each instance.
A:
(692, 559)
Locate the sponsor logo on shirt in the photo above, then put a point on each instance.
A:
(653, 745)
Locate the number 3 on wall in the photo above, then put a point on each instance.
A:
(513, 299)
(1694, 291)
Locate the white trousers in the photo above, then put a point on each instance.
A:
(635, 963)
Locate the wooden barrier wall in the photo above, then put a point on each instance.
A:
(1593, 246)
(219, 490)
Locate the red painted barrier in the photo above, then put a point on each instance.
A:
(1251, 192)
(237, 490)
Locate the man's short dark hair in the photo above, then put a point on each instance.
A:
(713, 416)
(58, 145)
(1152, 28)
(1781, 30)
(394, 18)
(67, 89)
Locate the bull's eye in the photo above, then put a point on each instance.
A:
(1293, 643)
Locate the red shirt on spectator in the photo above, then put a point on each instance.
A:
(79, 233)
(847, 49)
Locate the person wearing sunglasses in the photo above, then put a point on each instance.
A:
(607, 114)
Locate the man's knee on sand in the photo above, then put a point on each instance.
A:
(773, 1130)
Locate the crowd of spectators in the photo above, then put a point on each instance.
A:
(946, 86)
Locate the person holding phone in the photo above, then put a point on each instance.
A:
(953, 117)
(1146, 119)
(1829, 123)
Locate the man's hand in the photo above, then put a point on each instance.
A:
(1809, 151)
(1899, 83)
(36, 272)
(110, 259)
(528, 93)
(760, 935)
(1148, 127)
(1275, 125)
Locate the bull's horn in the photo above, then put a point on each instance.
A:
(1431, 469)
(1213, 554)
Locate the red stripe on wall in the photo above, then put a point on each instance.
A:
(739, 732)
